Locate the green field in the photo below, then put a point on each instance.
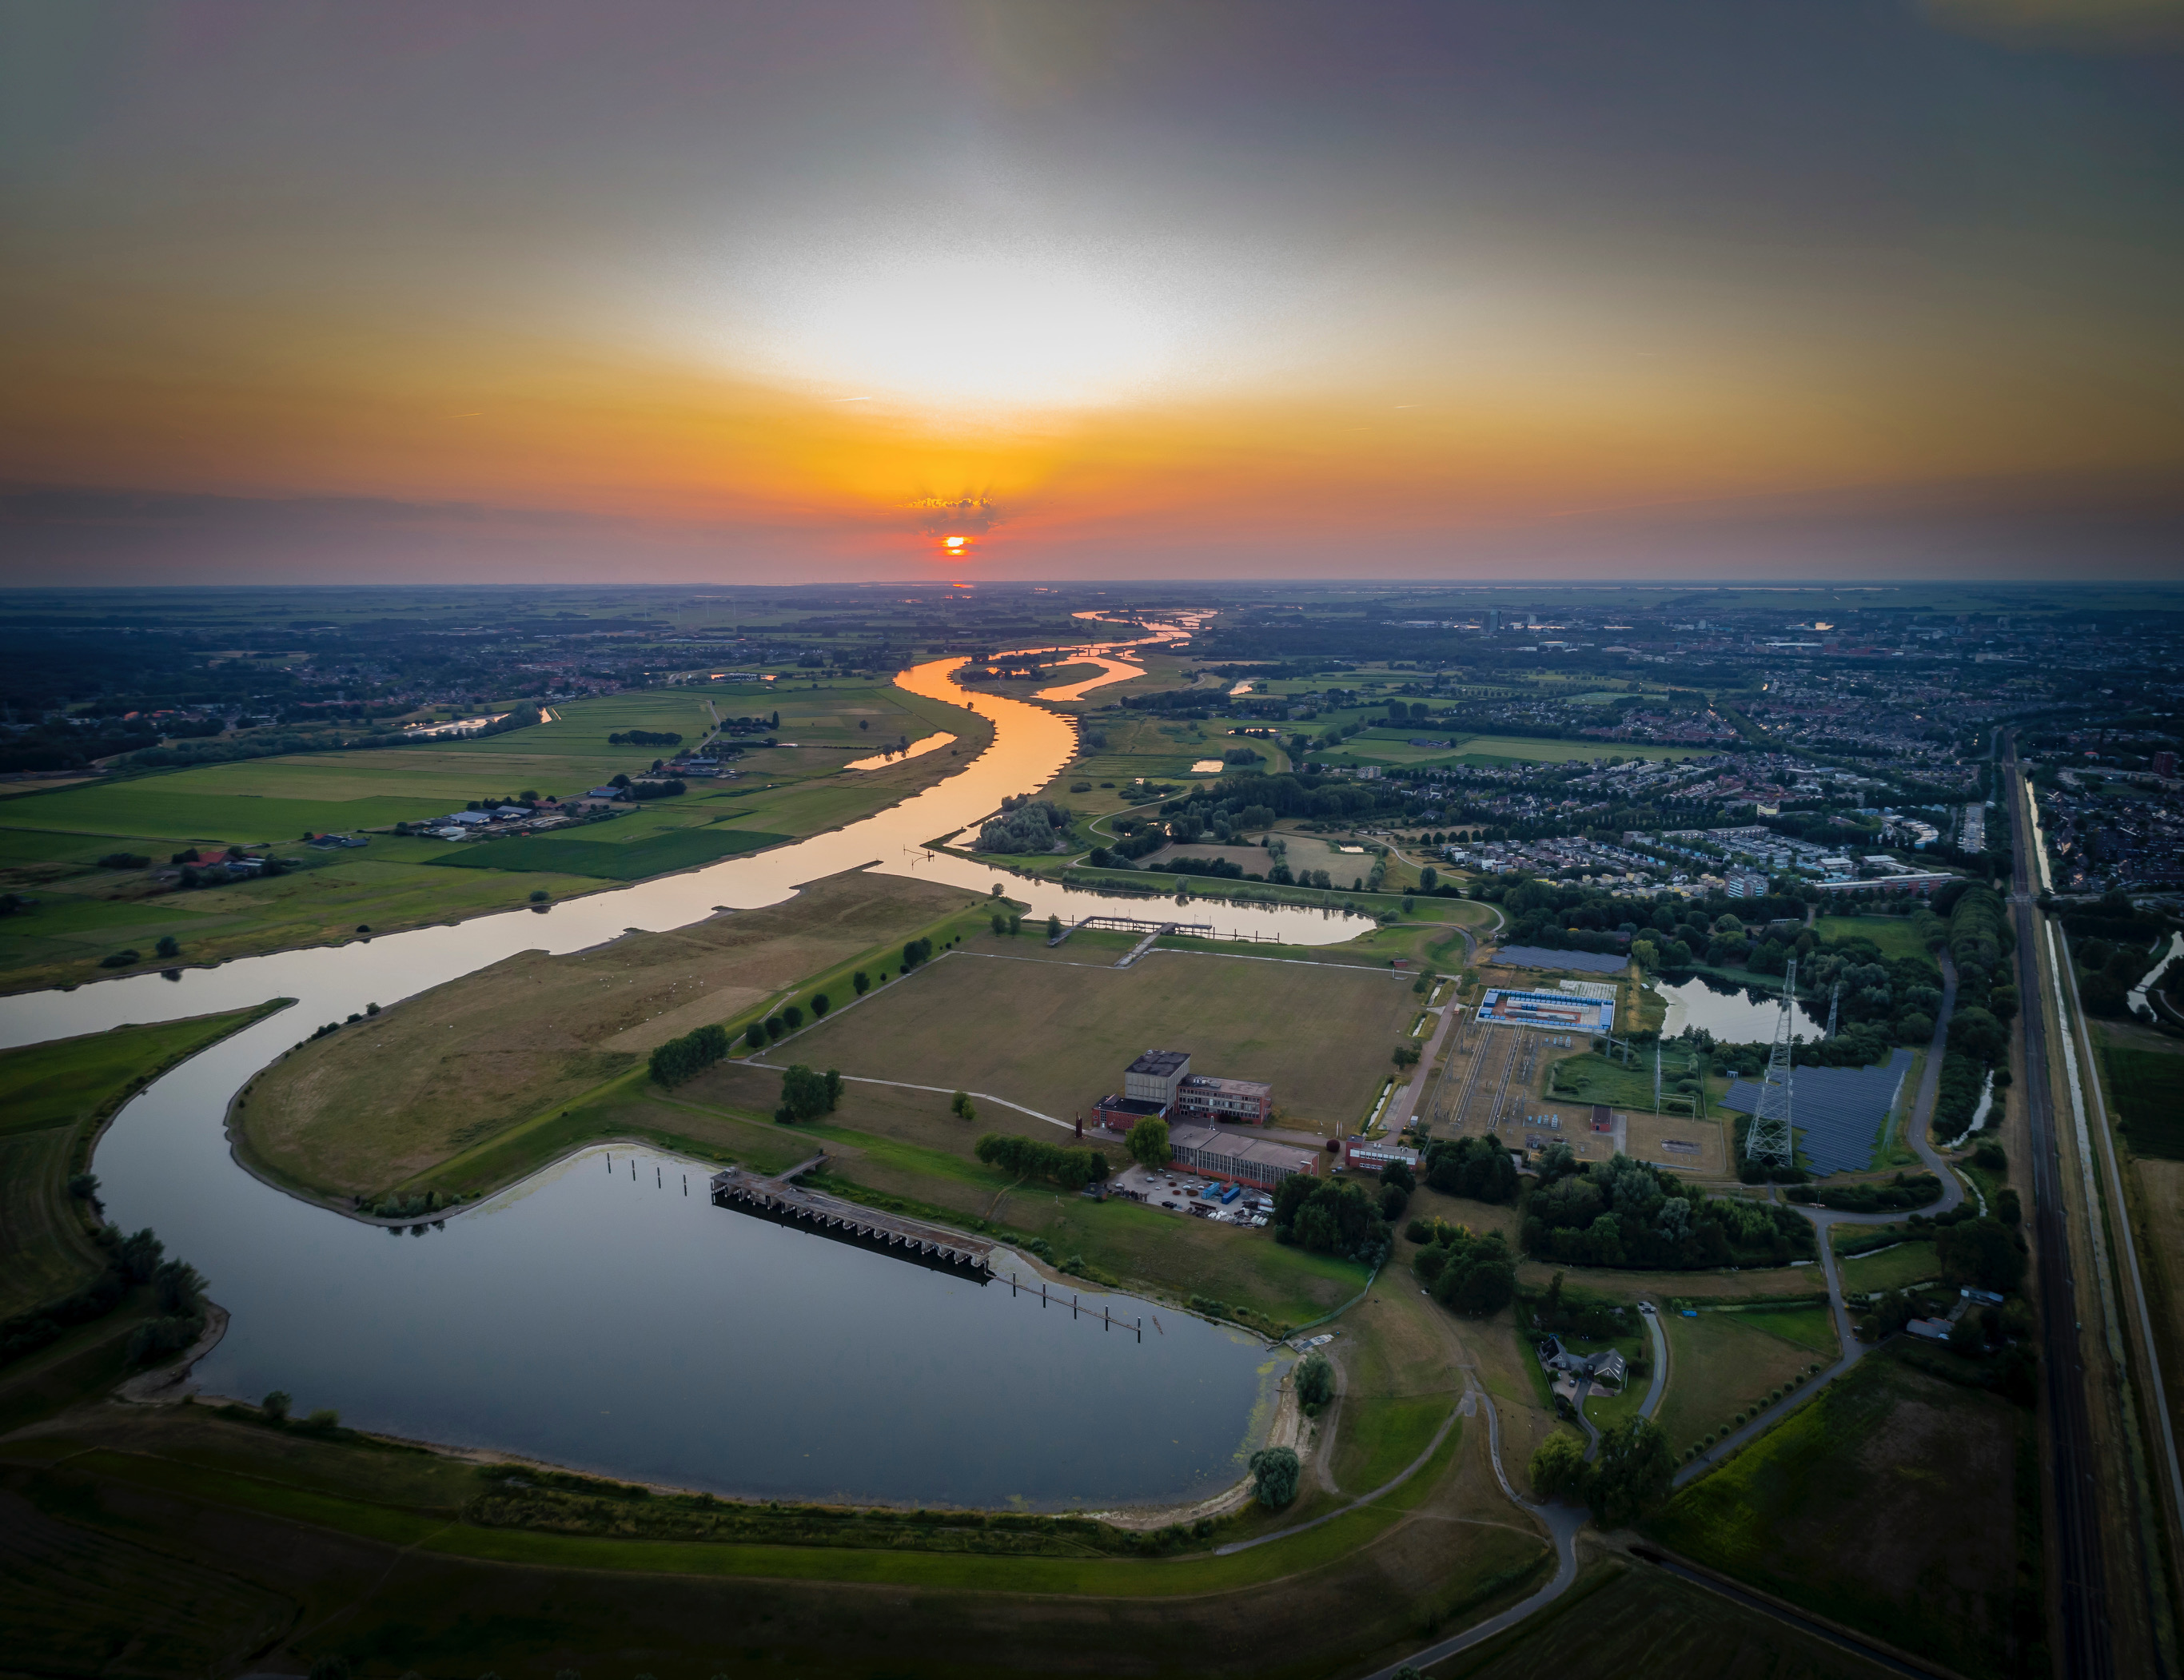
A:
(1912, 1262)
(1056, 1037)
(1620, 1607)
(1893, 935)
(655, 854)
(1391, 747)
(50, 841)
(1887, 1503)
(53, 1098)
(2147, 1087)
(1724, 1362)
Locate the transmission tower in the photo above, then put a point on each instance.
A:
(1656, 1074)
(1768, 1142)
(1835, 1002)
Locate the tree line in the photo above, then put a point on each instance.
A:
(1035, 1158)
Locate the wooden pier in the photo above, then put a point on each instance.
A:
(786, 1203)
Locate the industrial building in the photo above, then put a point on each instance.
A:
(1159, 1085)
(1214, 1154)
(1554, 1011)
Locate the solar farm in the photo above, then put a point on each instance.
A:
(1835, 1112)
(1569, 962)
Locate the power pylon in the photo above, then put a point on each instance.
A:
(1835, 1002)
(1768, 1141)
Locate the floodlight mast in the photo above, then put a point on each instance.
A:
(1768, 1142)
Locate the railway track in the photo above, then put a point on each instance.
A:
(2084, 1647)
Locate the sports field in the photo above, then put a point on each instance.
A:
(1056, 1036)
(1887, 1503)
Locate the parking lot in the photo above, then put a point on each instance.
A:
(1181, 1192)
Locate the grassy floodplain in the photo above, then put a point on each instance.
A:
(54, 1098)
(428, 1090)
(1724, 1362)
(51, 841)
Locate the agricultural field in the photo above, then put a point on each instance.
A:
(53, 1098)
(1889, 1503)
(2146, 1089)
(449, 1071)
(1724, 1361)
(50, 842)
(1618, 1607)
(1056, 1037)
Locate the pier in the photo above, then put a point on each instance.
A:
(786, 1203)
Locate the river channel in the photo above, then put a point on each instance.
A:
(598, 1316)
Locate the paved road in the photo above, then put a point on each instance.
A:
(1660, 1383)
(2082, 1645)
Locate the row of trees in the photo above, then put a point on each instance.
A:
(178, 1292)
(690, 1055)
(1035, 1158)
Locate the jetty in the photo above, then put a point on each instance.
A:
(785, 1202)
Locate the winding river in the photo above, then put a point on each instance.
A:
(604, 1315)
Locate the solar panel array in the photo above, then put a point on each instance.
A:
(1837, 1112)
(1577, 962)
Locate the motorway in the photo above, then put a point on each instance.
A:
(2082, 1646)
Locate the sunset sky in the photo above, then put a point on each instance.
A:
(778, 292)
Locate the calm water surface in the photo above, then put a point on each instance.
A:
(592, 1318)
(1733, 1014)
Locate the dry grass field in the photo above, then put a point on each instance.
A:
(385, 1099)
(1056, 1037)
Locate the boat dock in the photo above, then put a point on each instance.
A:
(786, 1203)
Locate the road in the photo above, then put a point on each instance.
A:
(2082, 1645)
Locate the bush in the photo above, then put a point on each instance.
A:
(1274, 1475)
(1315, 1383)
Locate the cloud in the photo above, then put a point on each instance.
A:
(963, 516)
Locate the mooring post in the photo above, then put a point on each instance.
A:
(1073, 1306)
(1141, 1330)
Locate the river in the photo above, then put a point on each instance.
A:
(609, 1321)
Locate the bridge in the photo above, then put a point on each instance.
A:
(778, 1197)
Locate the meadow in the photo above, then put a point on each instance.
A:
(1055, 1036)
(1888, 1502)
(1393, 747)
(1726, 1361)
(1891, 1268)
(403, 1095)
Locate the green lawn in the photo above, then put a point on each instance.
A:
(1912, 1262)
(1893, 935)
(652, 854)
(1392, 747)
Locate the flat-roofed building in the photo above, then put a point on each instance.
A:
(1554, 1011)
(1239, 1102)
(1215, 1154)
(1153, 1076)
(1373, 1154)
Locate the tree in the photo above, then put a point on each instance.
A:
(861, 983)
(1980, 1252)
(276, 1405)
(1429, 878)
(1399, 1174)
(1406, 1055)
(1558, 1468)
(806, 1095)
(1315, 1383)
(756, 1035)
(167, 947)
(1053, 927)
(1148, 1143)
(794, 1016)
(820, 1004)
(961, 1108)
(1632, 1477)
(1274, 1473)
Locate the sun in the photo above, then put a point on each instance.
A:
(956, 542)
